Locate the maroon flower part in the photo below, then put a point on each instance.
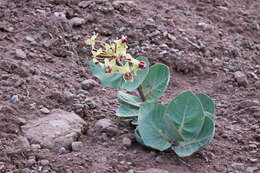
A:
(142, 65)
(122, 58)
(124, 39)
(128, 76)
(87, 37)
(108, 69)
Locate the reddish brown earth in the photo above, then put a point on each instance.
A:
(204, 42)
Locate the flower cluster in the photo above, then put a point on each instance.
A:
(113, 57)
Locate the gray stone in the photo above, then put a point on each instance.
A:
(126, 141)
(30, 39)
(76, 146)
(44, 162)
(30, 162)
(88, 84)
(60, 128)
(153, 34)
(45, 110)
(241, 78)
(187, 13)
(60, 15)
(107, 126)
(104, 123)
(253, 160)
(36, 146)
(68, 96)
(119, 4)
(153, 170)
(84, 4)
(257, 113)
(257, 84)
(251, 169)
(15, 99)
(76, 21)
(238, 166)
(21, 121)
(159, 159)
(20, 54)
(23, 141)
(130, 171)
(62, 150)
(171, 37)
(2, 166)
(91, 103)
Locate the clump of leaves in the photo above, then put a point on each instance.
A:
(185, 125)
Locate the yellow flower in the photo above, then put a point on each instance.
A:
(91, 40)
(113, 57)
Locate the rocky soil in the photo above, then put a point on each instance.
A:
(211, 46)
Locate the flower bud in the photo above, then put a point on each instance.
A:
(124, 39)
(108, 69)
(128, 76)
(87, 37)
(142, 65)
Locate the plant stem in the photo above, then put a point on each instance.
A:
(140, 91)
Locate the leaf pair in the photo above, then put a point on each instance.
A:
(185, 125)
(153, 87)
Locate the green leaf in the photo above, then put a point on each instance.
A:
(138, 137)
(139, 78)
(186, 148)
(134, 122)
(207, 104)
(129, 99)
(156, 82)
(127, 111)
(112, 81)
(155, 127)
(187, 114)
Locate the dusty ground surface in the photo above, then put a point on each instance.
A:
(204, 42)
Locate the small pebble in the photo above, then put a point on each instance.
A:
(20, 54)
(238, 166)
(76, 21)
(88, 84)
(241, 78)
(23, 141)
(91, 103)
(158, 159)
(257, 84)
(68, 96)
(126, 141)
(76, 146)
(62, 150)
(15, 99)
(36, 146)
(44, 162)
(44, 110)
(30, 162)
(187, 13)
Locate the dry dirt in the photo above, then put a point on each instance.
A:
(204, 42)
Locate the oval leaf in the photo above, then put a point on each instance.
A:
(156, 82)
(138, 79)
(129, 99)
(187, 114)
(186, 148)
(207, 104)
(112, 81)
(127, 111)
(155, 127)
(138, 137)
